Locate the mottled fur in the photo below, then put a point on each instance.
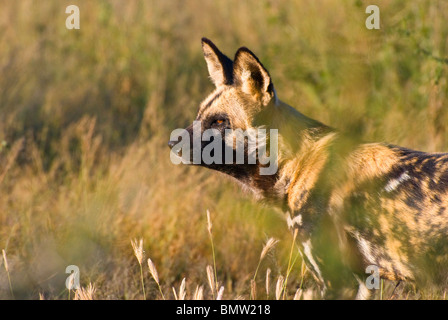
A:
(353, 204)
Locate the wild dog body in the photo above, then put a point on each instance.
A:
(353, 204)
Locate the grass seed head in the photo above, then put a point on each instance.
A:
(211, 278)
(220, 293)
(270, 244)
(199, 293)
(5, 260)
(153, 271)
(138, 250)
(279, 287)
(182, 290)
(209, 223)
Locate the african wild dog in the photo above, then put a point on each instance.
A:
(354, 204)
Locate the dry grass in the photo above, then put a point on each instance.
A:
(85, 293)
(85, 116)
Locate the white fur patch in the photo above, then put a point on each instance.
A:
(295, 222)
(394, 183)
(256, 137)
(366, 248)
(246, 75)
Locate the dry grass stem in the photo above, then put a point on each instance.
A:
(211, 280)
(17, 146)
(85, 293)
(210, 229)
(268, 279)
(5, 262)
(290, 262)
(175, 294)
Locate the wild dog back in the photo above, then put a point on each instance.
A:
(397, 212)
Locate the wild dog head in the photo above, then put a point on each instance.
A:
(231, 133)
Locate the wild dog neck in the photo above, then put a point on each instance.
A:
(303, 152)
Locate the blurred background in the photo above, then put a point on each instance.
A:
(85, 116)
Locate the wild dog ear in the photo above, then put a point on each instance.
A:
(220, 67)
(251, 76)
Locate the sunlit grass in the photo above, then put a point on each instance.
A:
(85, 117)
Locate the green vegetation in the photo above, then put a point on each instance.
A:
(85, 116)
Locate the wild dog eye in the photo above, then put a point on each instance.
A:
(220, 122)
